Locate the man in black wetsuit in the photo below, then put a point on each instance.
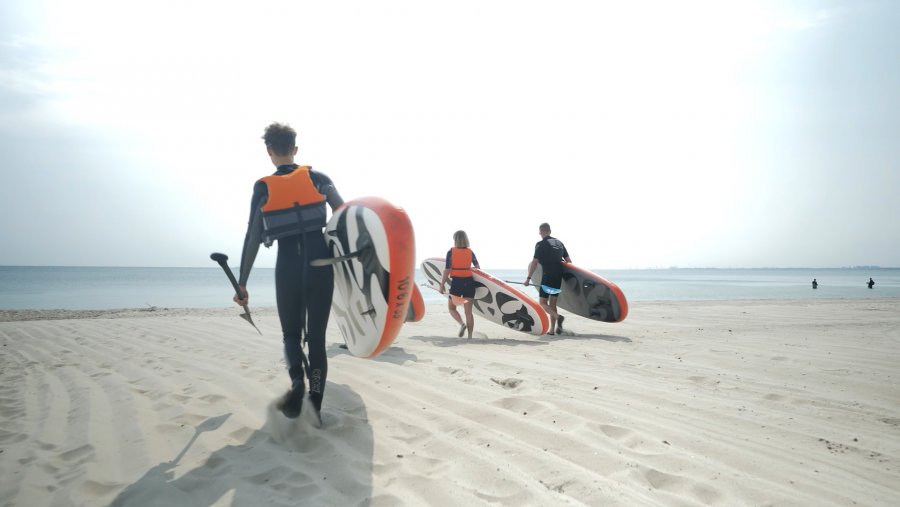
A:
(550, 253)
(289, 207)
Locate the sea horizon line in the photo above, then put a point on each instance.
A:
(650, 268)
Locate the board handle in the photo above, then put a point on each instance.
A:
(318, 263)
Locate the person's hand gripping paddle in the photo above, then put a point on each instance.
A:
(222, 259)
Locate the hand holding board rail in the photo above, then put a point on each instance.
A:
(588, 294)
(495, 300)
(374, 251)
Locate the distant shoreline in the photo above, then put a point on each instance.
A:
(141, 289)
(22, 315)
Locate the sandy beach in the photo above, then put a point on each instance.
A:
(714, 403)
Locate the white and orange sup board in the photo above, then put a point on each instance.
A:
(374, 252)
(495, 300)
(588, 294)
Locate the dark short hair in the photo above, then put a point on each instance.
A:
(281, 138)
(544, 227)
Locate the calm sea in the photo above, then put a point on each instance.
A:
(104, 288)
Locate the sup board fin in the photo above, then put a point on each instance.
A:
(317, 263)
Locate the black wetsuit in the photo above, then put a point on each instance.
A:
(303, 293)
(550, 253)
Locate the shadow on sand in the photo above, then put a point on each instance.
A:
(395, 355)
(568, 335)
(286, 462)
(444, 341)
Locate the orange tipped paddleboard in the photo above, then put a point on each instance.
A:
(495, 300)
(588, 294)
(373, 249)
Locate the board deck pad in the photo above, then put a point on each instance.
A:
(588, 294)
(373, 286)
(495, 300)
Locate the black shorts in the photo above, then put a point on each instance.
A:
(462, 286)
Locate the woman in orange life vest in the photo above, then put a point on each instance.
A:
(460, 260)
(288, 207)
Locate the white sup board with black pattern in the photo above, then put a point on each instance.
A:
(495, 300)
(374, 260)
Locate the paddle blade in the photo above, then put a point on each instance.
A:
(218, 257)
(248, 318)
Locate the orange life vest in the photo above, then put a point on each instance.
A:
(460, 262)
(294, 205)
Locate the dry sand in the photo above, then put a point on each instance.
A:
(718, 403)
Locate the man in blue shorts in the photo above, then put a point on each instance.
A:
(551, 254)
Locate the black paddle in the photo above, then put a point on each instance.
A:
(222, 259)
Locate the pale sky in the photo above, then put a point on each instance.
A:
(647, 133)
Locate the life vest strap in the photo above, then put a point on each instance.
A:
(282, 223)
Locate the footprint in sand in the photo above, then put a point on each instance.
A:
(507, 383)
(615, 432)
(413, 435)
(78, 454)
(633, 440)
(520, 406)
(662, 480)
(680, 484)
(241, 434)
(704, 381)
(98, 489)
(213, 398)
(8, 437)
